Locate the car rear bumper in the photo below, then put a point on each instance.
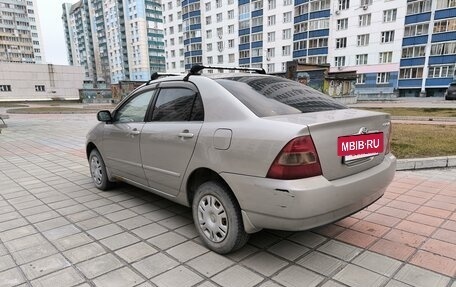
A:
(306, 203)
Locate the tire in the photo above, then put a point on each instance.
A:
(98, 171)
(218, 219)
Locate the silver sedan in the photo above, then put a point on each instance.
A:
(245, 151)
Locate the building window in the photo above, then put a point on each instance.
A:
(387, 36)
(365, 3)
(209, 47)
(362, 40)
(389, 15)
(208, 20)
(441, 71)
(271, 20)
(318, 43)
(361, 59)
(416, 30)
(271, 52)
(219, 17)
(209, 60)
(231, 43)
(385, 57)
(360, 79)
(365, 20)
(445, 25)
(383, 78)
(300, 45)
(302, 9)
(416, 7)
(319, 5)
(447, 48)
(287, 2)
(344, 4)
(411, 73)
(414, 52)
(208, 6)
(286, 34)
(341, 43)
(317, 60)
(209, 34)
(287, 17)
(231, 14)
(342, 24)
(271, 68)
(244, 39)
(271, 4)
(286, 50)
(230, 29)
(231, 58)
(339, 61)
(218, 3)
(442, 4)
(220, 46)
(5, 88)
(244, 54)
(220, 59)
(271, 37)
(257, 37)
(318, 24)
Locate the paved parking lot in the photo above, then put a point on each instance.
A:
(56, 229)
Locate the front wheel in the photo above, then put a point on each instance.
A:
(98, 171)
(218, 219)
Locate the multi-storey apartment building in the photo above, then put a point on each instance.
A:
(115, 40)
(366, 36)
(428, 59)
(20, 34)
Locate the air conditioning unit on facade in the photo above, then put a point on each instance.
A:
(365, 7)
(337, 12)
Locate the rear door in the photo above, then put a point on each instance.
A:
(121, 138)
(169, 138)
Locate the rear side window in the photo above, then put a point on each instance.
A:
(272, 96)
(177, 104)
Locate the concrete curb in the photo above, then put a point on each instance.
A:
(423, 163)
(424, 119)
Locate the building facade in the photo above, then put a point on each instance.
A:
(20, 33)
(34, 82)
(428, 59)
(115, 40)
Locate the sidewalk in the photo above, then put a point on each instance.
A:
(56, 229)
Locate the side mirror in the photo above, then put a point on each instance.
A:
(104, 116)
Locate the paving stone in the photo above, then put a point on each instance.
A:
(288, 250)
(65, 277)
(308, 239)
(120, 215)
(332, 284)
(378, 263)
(187, 251)
(120, 240)
(34, 253)
(6, 262)
(82, 216)
(105, 231)
(60, 232)
(44, 266)
(134, 222)
(17, 233)
(11, 224)
(167, 240)
(340, 250)
(155, 264)
(72, 241)
(188, 231)
(237, 276)
(264, 263)
(321, 263)
(148, 231)
(99, 265)
(210, 263)
(84, 252)
(263, 239)
(51, 224)
(25, 242)
(135, 252)
(295, 276)
(420, 277)
(11, 277)
(355, 276)
(179, 276)
(394, 283)
(242, 253)
(107, 209)
(123, 277)
(36, 218)
(175, 222)
(93, 223)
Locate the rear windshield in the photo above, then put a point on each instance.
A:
(273, 96)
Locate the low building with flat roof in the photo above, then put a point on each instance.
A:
(40, 82)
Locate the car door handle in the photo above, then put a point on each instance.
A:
(135, 132)
(185, 135)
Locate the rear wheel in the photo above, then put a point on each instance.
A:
(218, 219)
(98, 171)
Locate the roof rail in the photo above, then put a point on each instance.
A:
(156, 75)
(197, 68)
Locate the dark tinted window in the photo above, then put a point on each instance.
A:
(198, 110)
(174, 104)
(271, 96)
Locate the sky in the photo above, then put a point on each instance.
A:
(50, 13)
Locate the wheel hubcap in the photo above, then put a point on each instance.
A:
(97, 171)
(212, 218)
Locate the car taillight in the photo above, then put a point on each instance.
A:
(297, 159)
(388, 143)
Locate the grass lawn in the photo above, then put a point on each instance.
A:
(420, 112)
(415, 141)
